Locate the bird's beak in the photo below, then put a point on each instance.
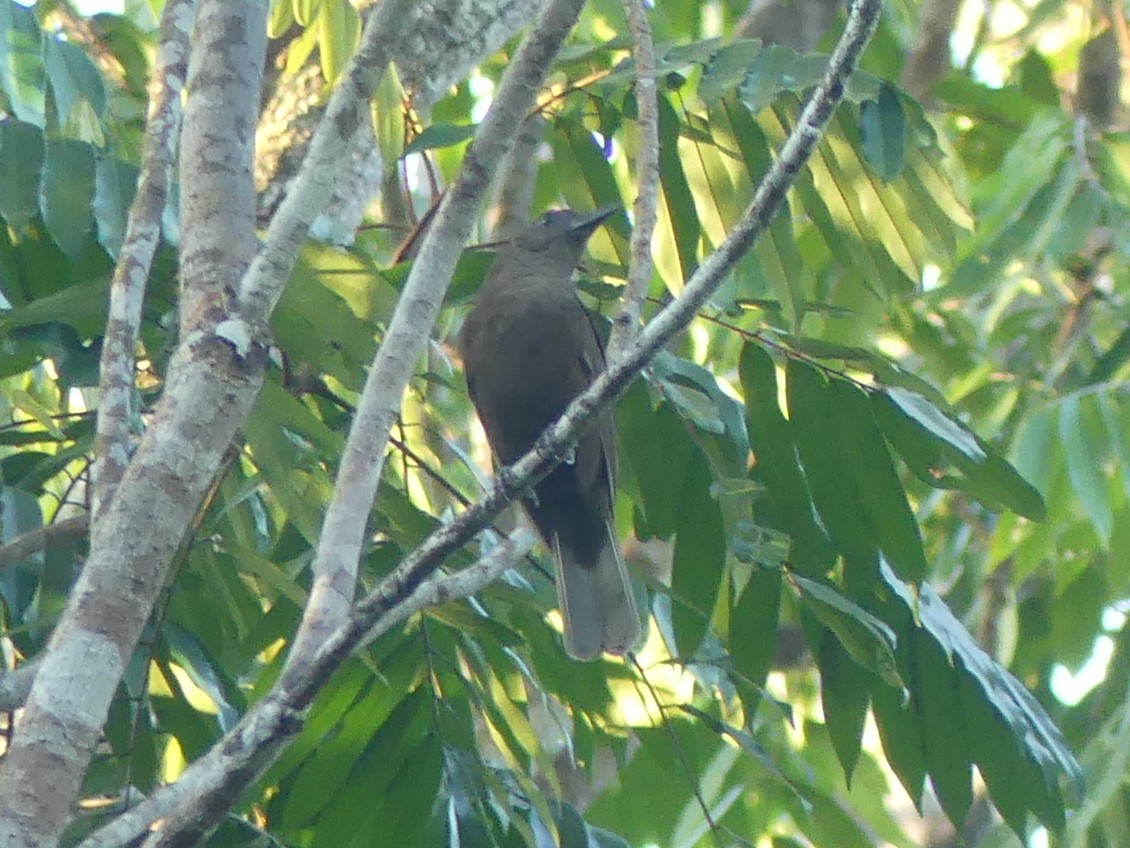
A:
(585, 222)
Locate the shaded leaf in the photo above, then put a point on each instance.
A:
(21, 162)
(777, 464)
(699, 559)
(67, 192)
(883, 130)
(867, 639)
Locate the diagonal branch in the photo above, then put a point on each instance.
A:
(116, 410)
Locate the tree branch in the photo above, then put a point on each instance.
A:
(346, 114)
(336, 560)
(627, 324)
(116, 382)
(208, 392)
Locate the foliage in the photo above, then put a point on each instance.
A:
(916, 379)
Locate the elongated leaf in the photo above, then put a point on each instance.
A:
(67, 193)
(699, 561)
(829, 472)
(1085, 448)
(883, 127)
(594, 185)
(790, 506)
(75, 82)
(678, 200)
(877, 484)
(114, 185)
(753, 627)
(867, 639)
(934, 685)
(949, 672)
(658, 453)
(777, 257)
(339, 31)
(844, 694)
(440, 135)
(21, 162)
(22, 75)
(931, 441)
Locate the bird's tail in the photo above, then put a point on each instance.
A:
(596, 602)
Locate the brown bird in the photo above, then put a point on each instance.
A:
(529, 348)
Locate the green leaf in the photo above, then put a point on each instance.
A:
(114, 184)
(829, 471)
(699, 560)
(75, 82)
(694, 391)
(678, 216)
(879, 490)
(934, 683)
(931, 440)
(22, 75)
(21, 163)
(281, 18)
(883, 128)
(778, 466)
(775, 256)
(658, 453)
(386, 111)
(900, 732)
(867, 639)
(439, 136)
(776, 69)
(205, 672)
(753, 626)
(844, 693)
(305, 11)
(339, 33)
(67, 193)
(953, 684)
(595, 184)
(1084, 441)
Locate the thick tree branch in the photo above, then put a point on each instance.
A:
(116, 384)
(217, 188)
(208, 392)
(627, 323)
(346, 114)
(252, 744)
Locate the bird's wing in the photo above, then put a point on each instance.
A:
(604, 427)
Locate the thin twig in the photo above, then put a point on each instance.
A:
(627, 323)
(143, 233)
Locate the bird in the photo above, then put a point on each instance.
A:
(529, 347)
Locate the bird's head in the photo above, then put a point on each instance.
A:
(562, 230)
